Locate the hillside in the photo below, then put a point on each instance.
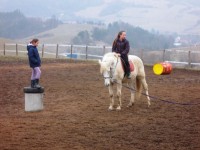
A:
(164, 16)
(62, 34)
(4, 40)
(15, 25)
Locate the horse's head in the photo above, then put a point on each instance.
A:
(105, 70)
(108, 67)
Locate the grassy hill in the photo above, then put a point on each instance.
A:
(63, 34)
(4, 40)
(164, 16)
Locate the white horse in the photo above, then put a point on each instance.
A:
(112, 71)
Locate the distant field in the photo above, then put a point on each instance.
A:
(62, 34)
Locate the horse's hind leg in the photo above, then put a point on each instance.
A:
(145, 86)
(110, 88)
(131, 103)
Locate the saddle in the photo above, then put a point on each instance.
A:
(124, 65)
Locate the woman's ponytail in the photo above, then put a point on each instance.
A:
(34, 41)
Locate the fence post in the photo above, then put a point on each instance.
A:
(71, 50)
(42, 50)
(16, 50)
(57, 51)
(164, 55)
(4, 49)
(189, 59)
(104, 50)
(86, 52)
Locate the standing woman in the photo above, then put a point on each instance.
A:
(121, 47)
(35, 63)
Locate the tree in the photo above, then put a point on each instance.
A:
(138, 37)
(15, 25)
(83, 37)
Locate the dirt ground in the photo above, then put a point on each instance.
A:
(76, 115)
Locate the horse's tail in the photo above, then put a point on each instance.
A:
(138, 88)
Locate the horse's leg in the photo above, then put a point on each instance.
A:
(131, 103)
(110, 88)
(145, 86)
(119, 88)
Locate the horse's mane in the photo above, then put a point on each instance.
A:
(103, 68)
(107, 59)
(107, 55)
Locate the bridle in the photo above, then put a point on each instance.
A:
(111, 72)
(111, 75)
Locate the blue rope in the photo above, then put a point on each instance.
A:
(159, 99)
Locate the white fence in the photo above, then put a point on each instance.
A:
(183, 57)
(57, 50)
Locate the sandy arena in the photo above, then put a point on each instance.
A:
(76, 115)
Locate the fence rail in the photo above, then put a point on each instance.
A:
(185, 57)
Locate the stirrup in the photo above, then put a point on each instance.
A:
(129, 76)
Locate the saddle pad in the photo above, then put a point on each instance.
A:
(131, 66)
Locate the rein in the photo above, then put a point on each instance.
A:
(160, 99)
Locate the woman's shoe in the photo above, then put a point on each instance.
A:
(32, 83)
(129, 75)
(37, 84)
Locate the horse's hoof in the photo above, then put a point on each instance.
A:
(118, 108)
(130, 105)
(110, 108)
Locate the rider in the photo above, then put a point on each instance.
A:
(121, 47)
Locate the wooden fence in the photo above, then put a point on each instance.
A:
(187, 56)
